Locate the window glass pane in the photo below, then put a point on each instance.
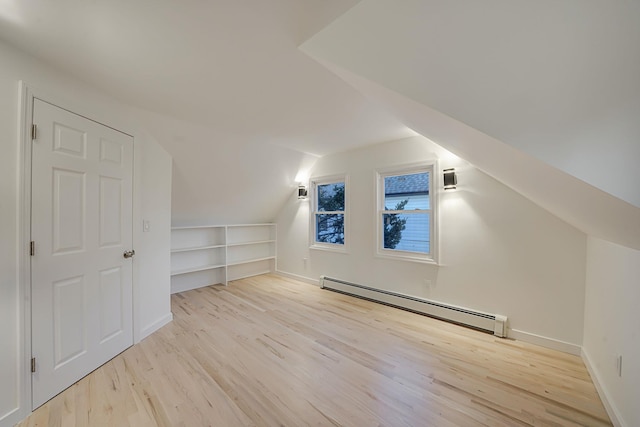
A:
(330, 228)
(407, 232)
(406, 192)
(331, 197)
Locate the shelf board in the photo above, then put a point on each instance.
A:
(257, 242)
(251, 225)
(196, 227)
(196, 248)
(194, 269)
(232, 238)
(187, 227)
(247, 261)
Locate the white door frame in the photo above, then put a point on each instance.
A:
(26, 96)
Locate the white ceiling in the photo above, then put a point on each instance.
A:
(231, 65)
(223, 86)
(536, 94)
(557, 79)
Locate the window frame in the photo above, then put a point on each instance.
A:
(430, 167)
(313, 199)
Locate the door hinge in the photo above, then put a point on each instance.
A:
(33, 364)
(34, 131)
(32, 249)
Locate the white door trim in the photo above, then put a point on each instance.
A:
(26, 95)
(23, 236)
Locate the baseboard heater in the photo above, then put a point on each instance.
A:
(492, 323)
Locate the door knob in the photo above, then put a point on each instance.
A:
(129, 254)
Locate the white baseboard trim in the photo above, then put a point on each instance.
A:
(315, 282)
(176, 288)
(547, 342)
(612, 411)
(167, 318)
(11, 418)
(540, 340)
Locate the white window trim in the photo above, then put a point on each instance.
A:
(322, 180)
(430, 166)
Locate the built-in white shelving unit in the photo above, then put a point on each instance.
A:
(217, 254)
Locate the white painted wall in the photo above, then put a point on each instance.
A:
(588, 208)
(152, 258)
(500, 253)
(220, 177)
(151, 200)
(612, 326)
(555, 79)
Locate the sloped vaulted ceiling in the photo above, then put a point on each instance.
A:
(544, 96)
(221, 84)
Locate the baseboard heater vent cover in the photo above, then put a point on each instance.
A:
(492, 323)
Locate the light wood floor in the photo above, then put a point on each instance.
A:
(269, 351)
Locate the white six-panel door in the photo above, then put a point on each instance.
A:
(81, 223)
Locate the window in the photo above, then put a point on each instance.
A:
(406, 213)
(329, 207)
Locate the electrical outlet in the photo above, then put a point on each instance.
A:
(619, 365)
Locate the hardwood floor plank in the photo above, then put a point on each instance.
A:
(271, 351)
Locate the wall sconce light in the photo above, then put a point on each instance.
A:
(302, 192)
(450, 179)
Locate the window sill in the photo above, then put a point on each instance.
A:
(341, 249)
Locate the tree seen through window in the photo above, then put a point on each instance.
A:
(330, 207)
